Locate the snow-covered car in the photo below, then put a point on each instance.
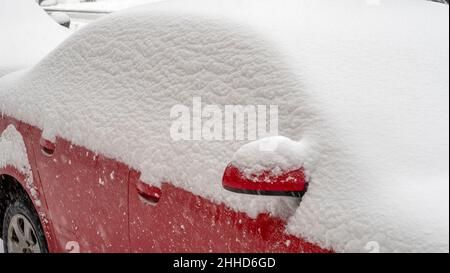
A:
(27, 35)
(121, 139)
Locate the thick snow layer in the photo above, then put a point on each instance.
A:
(275, 154)
(362, 84)
(27, 34)
(1, 246)
(13, 153)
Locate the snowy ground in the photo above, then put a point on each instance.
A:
(1, 246)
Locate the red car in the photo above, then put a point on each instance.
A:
(76, 212)
(119, 140)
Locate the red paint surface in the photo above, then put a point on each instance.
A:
(289, 181)
(103, 206)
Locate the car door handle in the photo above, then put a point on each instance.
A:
(47, 147)
(149, 194)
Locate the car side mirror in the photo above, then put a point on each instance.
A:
(269, 166)
(292, 183)
(61, 18)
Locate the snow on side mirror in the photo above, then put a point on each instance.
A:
(270, 166)
(61, 18)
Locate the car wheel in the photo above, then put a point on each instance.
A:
(22, 231)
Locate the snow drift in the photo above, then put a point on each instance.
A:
(27, 34)
(364, 87)
(14, 153)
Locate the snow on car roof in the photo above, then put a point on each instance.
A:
(27, 34)
(365, 83)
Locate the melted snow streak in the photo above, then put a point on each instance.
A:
(362, 96)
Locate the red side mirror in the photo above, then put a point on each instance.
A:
(291, 183)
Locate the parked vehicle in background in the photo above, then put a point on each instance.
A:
(84, 12)
(28, 34)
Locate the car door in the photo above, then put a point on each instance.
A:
(171, 219)
(168, 219)
(86, 194)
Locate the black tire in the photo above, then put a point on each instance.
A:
(23, 207)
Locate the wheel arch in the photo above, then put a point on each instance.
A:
(11, 190)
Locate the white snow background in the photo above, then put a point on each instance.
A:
(363, 85)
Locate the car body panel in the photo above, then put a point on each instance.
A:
(92, 201)
(184, 222)
(87, 194)
(11, 171)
